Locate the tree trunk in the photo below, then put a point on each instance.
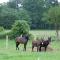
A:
(57, 32)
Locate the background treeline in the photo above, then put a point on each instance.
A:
(29, 10)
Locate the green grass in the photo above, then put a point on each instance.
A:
(11, 54)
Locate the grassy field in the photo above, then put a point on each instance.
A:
(11, 54)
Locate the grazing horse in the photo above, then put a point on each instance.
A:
(36, 44)
(45, 43)
(22, 40)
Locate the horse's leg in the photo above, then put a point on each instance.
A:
(45, 48)
(17, 44)
(24, 47)
(40, 48)
(32, 47)
(37, 48)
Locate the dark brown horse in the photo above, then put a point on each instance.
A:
(36, 44)
(22, 40)
(45, 43)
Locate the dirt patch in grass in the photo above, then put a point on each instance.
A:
(42, 49)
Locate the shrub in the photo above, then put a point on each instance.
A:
(3, 36)
(1, 29)
(19, 27)
(31, 37)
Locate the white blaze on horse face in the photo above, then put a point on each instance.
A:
(42, 43)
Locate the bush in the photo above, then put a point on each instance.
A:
(1, 29)
(31, 37)
(20, 27)
(2, 36)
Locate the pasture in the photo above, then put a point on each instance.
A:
(11, 54)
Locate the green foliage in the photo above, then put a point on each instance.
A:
(30, 10)
(53, 15)
(3, 34)
(23, 15)
(19, 28)
(8, 15)
(31, 36)
(35, 9)
(1, 29)
(12, 4)
(51, 3)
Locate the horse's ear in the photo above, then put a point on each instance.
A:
(49, 39)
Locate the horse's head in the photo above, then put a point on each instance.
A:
(26, 36)
(49, 38)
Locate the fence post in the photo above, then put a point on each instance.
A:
(6, 41)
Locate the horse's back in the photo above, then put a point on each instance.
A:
(36, 43)
(20, 39)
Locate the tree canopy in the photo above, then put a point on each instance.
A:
(20, 28)
(28, 10)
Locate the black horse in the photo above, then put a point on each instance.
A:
(22, 40)
(45, 43)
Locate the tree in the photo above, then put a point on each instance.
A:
(19, 28)
(14, 3)
(8, 15)
(53, 16)
(51, 3)
(35, 9)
